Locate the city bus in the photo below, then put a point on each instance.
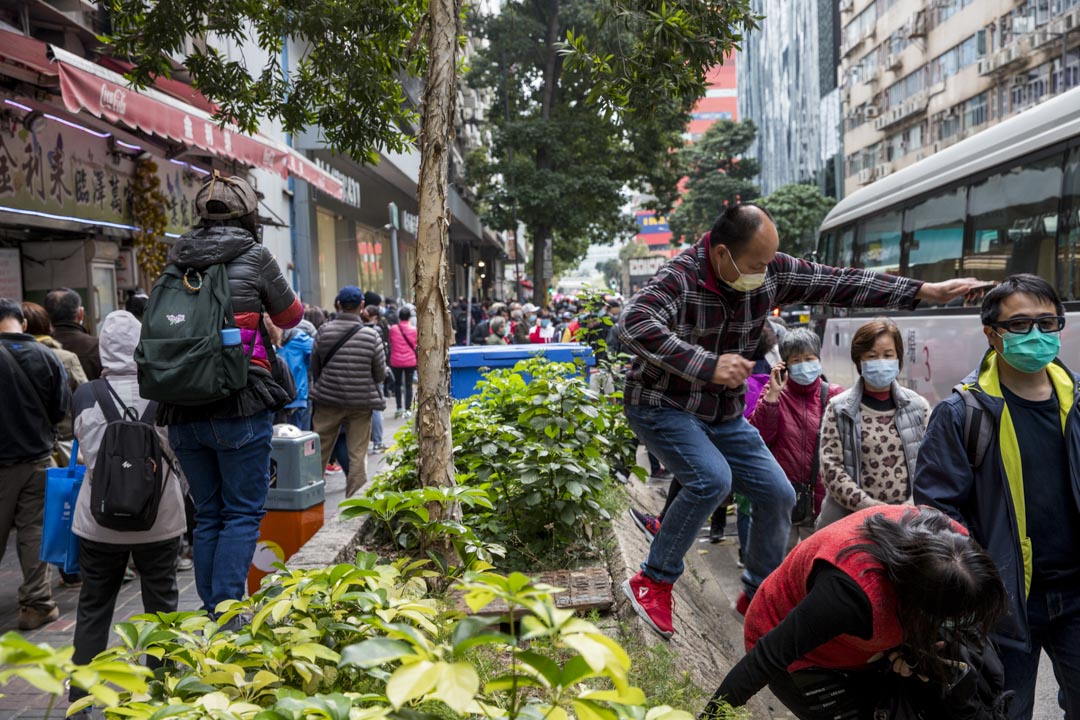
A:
(1003, 201)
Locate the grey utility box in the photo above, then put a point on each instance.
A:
(296, 470)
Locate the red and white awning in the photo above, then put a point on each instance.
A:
(87, 86)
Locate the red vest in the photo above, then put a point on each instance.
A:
(786, 588)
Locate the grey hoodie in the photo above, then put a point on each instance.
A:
(119, 335)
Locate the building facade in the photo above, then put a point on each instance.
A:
(787, 86)
(920, 75)
(720, 103)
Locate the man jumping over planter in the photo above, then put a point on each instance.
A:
(691, 330)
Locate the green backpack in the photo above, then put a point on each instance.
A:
(181, 356)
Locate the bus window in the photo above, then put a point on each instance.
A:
(845, 249)
(879, 243)
(1069, 231)
(825, 247)
(1014, 221)
(937, 236)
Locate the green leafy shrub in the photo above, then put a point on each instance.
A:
(366, 641)
(544, 451)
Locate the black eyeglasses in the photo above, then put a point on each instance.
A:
(1023, 325)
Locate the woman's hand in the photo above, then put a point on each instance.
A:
(777, 382)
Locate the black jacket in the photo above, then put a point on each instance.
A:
(256, 285)
(77, 339)
(29, 436)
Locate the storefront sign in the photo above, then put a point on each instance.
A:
(10, 274)
(350, 187)
(74, 174)
(646, 267)
(410, 223)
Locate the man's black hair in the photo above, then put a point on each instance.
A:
(10, 309)
(62, 305)
(1024, 283)
(736, 226)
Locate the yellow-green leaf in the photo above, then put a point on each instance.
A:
(410, 682)
(457, 685)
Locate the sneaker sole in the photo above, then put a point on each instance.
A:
(641, 611)
(641, 526)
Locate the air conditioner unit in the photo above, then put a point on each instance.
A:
(872, 111)
(987, 66)
(881, 123)
(883, 170)
(916, 26)
(1042, 37)
(865, 176)
(893, 61)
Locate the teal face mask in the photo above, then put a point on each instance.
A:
(1032, 352)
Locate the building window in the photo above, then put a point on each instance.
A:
(976, 111)
(946, 124)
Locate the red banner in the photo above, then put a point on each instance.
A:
(166, 117)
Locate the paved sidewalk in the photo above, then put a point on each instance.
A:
(23, 701)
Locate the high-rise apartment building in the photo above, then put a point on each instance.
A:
(787, 86)
(919, 75)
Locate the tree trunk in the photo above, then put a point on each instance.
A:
(434, 332)
(552, 68)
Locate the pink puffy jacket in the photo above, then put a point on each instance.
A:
(790, 426)
(402, 345)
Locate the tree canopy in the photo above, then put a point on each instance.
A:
(798, 210)
(717, 175)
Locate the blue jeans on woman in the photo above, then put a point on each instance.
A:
(709, 459)
(376, 427)
(227, 465)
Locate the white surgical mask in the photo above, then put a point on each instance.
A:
(745, 282)
(805, 373)
(880, 373)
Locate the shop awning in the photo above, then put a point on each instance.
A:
(84, 85)
(24, 58)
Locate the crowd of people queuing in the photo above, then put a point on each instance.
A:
(897, 562)
(874, 534)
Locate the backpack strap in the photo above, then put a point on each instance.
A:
(977, 429)
(112, 406)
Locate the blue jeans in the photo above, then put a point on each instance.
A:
(227, 465)
(376, 427)
(1054, 619)
(705, 456)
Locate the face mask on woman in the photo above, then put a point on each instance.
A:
(880, 373)
(805, 373)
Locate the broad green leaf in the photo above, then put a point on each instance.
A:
(374, 652)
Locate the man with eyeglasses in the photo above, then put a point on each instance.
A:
(1002, 456)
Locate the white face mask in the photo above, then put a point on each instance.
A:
(745, 282)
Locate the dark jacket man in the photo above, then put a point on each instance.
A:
(66, 313)
(36, 398)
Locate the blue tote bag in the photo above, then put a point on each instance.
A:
(60, 546)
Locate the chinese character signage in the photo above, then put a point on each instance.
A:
(61, 170)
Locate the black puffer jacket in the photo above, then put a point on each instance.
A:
(353, 378)
(257, 286)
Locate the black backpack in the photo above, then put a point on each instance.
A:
(129, 476)
(181, 356)
(978, 427)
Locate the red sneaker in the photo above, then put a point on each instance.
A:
(652, 600)
(742, 604)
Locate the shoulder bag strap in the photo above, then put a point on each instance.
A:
(815, 464)
(14, 362)
(405, 338)
(341, 342)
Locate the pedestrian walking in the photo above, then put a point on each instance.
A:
(348, 365)
(373, 319)
(403, 361)
(67, 315)
(223, 445)
(1002, 456)
(870, 434)
(36, 400)
(104, 552)
(295, 351)
(690, 331)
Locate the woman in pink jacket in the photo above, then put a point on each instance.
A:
(788, 416)
(403, 360)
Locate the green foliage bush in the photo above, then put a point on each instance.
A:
(365, 641)
(545, 452)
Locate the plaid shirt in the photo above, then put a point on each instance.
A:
(684, 319)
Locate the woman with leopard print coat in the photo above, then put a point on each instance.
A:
(870, 434)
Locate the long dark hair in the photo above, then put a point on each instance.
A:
(946, 585)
